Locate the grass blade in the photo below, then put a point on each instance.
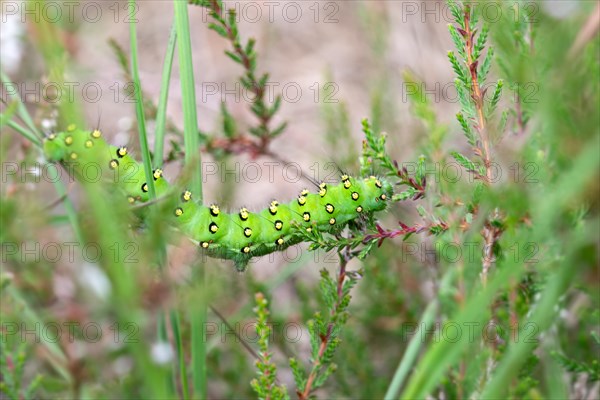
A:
(161, 112)
(188, 94)
(411, 352)
(21, 109)
(23, 131)
(198, 312)
(139, 103)
(180, 354)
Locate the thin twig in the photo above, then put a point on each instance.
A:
(235, 333)
(55, 203)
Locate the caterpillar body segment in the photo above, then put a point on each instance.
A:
(85, 153)
(237, 236)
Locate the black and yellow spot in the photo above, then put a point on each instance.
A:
(213, 227)
(204, 245)
(73, 156)
(121, 152)
(113, 164)
(69, 140)
(378, 183)
(345, 178)
(186, 196)
(301, 200)
(330, 208)
(304, 192)
(157, 174)
(278, 225)
(280, 241)
(178, 212)
(383, 197)
(96, 134)
(347, 184)
(145, 187)
(359, 209)
(214, 210)
(355, 196)
(273, 207)
(244, 214)
(246, 250)
(322, 189)
(306, 216)
(89, 144)
(247, 232)
(332, 221)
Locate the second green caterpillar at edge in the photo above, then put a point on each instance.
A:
(236, 236)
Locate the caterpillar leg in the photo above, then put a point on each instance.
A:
(241, 264)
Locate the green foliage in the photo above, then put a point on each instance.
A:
(425, 112)
(265, 385)
(12, 368)
(245, 55)
(470, 80)
(469, 134)
(325, 332)
(374, 150)
(464, 161)
(571, 365)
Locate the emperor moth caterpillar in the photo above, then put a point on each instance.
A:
(234, 236)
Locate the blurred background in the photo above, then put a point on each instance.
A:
(334, 63)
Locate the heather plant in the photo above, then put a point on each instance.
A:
(473, 275)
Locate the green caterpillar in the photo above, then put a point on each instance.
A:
(236, 236)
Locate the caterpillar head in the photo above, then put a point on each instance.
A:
(378, 192)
